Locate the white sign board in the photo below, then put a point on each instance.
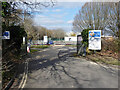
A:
(23, 40)
(95, 39)
(45, 39)
(6, 35)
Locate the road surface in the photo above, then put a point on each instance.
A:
(54, 67)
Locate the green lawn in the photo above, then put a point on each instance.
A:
(33, 50)
(71, 45)
(40, 46)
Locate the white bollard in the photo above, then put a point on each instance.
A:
(28, 49)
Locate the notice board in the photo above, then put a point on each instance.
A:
(94, 40)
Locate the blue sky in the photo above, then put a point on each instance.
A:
(59, 16)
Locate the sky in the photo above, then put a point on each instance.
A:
(59, 16)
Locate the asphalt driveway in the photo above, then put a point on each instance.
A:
(54, 67)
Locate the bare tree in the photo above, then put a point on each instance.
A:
(42, 31)
(30, 29)
(98, 15)
(58, 33)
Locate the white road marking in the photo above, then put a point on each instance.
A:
(93, 63)
(44, 50)
(53, 58)
(25, 75)
(71, 48)
(45, 61)
(40, 62)
(37, 57)
(24, 79)
(62, 49)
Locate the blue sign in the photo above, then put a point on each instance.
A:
(6, 35)
(95, 34)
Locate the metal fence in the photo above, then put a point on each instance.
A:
(61, 42)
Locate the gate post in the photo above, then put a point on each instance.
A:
(79, 43)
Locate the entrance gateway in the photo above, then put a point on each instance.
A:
(79, 42)
(94, 41)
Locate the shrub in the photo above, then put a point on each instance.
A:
(108, 45)
(84, 34)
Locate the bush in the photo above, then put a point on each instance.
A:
(84, 34)
(108, 45)
(11, 51)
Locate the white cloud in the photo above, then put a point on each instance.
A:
(70, 21)
(56, 10)
(78, 0)
(45, 10)
(55, 0)
(44, 20)
(67, 0)
(74, 0)
(59, 16)
(69, 4)
(40, 16)
(66, 28)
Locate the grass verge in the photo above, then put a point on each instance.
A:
(40, 46)
(103, 59)
(33, 50)
(71, 45)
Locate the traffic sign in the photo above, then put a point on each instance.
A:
(45, 39)
(6, 35)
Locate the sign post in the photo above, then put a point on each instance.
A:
(94, 40)
(45, 39)
(23, 40)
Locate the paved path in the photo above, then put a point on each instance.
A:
(55, 68)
